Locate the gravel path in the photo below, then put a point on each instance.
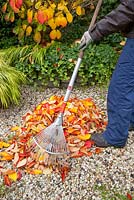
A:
(113, 168)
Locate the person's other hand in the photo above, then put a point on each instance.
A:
(85, 40)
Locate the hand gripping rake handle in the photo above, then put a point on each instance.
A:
(81, 54)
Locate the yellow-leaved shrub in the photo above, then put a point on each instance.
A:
(40, 18)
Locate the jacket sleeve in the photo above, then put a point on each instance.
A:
(116, 21)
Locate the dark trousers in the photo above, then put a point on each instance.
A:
(120, 100)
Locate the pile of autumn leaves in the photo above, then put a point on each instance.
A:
(81, 119)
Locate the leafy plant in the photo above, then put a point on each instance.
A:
(10, 80)
(42, 20)
(55, 63)
(98, 64)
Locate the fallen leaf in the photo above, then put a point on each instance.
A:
(74, 149)
(5, 156)
(15, 128)
(129, 196)
(21, 163)
(16, 158)
(98, 150)
(13, 176)
(84, 137)
(34, 171)
(4, 144)
(88, 143)
(7, 181)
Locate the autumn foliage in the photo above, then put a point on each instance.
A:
(39, 18)
(81, 119)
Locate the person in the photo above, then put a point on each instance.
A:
(120, 99)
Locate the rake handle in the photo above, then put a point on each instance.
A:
(81, 54)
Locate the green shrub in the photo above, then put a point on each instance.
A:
(10, 80)
(98, 64)
(55, 64)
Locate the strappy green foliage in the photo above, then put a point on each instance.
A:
(10, 82)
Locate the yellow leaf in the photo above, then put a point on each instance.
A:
(29, 15)
(52, 24)
(28, 30)
(74, 109)
(84, 137)
(50, 12)
(57, 21)
(69, 17)
(24, 26)
(15, 128)
(37, 5)
(4, 144)
(37, 171)
(79, 10)
(34, 171)
(53, 5)
(13, 176)
(61, 6)
(37, 37)
(58, 34)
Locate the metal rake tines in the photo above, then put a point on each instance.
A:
(52, 140)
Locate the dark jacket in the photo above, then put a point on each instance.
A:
(119, 20)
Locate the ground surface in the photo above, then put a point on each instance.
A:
(113, 168)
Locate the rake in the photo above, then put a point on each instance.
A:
(52, 140)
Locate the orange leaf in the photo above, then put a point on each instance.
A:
(77, 154)
(31, 164)
(129, 197)
(18, 3)
(5, 156)
(13, 6)
(53, 34)
(7, 180)
(64, 172)
(4, 7)
(98, 150)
